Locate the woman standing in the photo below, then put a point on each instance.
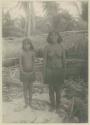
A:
(54, 59)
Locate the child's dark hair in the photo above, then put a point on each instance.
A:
(29, 41)
(49, 40)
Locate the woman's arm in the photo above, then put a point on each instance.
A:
(45, 63)
(63, 61)
(33, 56)
(63, 57)
(20, 63)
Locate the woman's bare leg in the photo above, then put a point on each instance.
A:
(58, 97)
(51, 95)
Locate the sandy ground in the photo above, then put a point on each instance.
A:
(13, 102)
(13, 112)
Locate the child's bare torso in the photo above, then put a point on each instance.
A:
(27, 61)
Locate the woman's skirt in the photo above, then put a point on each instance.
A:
(54, 76)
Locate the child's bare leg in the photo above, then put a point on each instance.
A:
(30, 93)
(25, 88)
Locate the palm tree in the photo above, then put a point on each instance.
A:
(59, 21)
(84, 6)
(25, 6)
(33, 23)
(30, 16)
(52, 9)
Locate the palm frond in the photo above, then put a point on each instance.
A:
(51, 8)
(24, 5)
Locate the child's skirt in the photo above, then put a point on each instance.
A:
(27, 76)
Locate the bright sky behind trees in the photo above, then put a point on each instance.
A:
(17, 12)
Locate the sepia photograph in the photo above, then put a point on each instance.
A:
(45, 61)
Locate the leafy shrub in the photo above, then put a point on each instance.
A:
(77, 93)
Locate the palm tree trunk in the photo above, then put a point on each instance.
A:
(32, 18)
(28, 21)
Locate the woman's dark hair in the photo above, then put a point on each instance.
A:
(59, 40)
(29, 41)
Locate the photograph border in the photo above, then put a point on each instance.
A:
(1, 106)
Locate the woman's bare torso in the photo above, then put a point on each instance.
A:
(54, 56)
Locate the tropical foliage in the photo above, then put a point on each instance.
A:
(76, 91)
(54, 19)
(85, 11)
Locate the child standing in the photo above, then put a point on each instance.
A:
(26, 70)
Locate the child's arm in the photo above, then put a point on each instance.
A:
(33, 56)
(63, 57)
